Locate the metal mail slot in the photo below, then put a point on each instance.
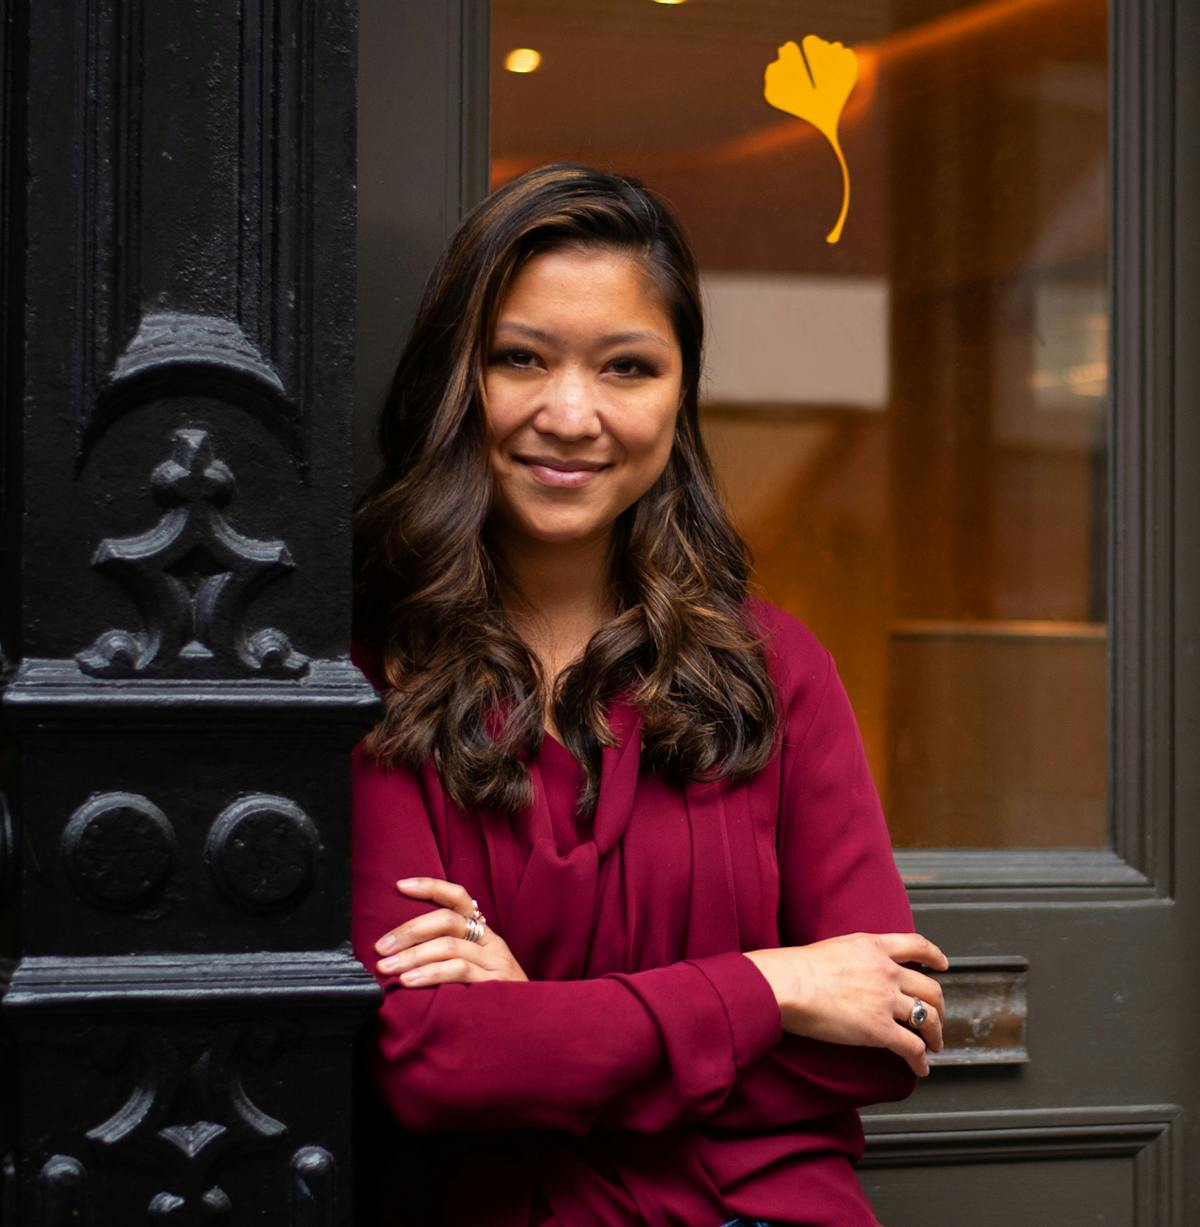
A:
(986, 1009)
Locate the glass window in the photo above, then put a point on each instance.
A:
(909, 414)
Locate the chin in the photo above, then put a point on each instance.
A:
(562, 536)
(560, 533)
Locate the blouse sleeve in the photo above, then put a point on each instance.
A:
(837, 876)
(641, 1051)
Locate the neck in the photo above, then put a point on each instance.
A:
(560, 591)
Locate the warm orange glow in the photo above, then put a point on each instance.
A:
(978, 21)
(1000, 628)
(951, 27)
(523, 59)
(668, 1)
(1083, 379)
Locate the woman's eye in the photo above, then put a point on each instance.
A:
(630, 366)
(520, 358)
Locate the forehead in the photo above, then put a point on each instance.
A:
(581, 283)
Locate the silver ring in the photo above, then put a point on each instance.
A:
(919, 1014)
(474, 929)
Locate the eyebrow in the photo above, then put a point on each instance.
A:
(548, 338)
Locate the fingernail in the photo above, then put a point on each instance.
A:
(407, 883)
(387, 966)
(384, 944)
(413, 977)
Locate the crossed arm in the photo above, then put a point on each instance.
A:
(853, 990)
(736, 1040)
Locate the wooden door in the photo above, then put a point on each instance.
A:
(1036, 758)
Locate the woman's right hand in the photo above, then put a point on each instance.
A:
(855, 990)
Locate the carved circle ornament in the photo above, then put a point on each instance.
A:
(118, 849)
(262, 852)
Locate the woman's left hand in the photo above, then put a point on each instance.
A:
(432, 949)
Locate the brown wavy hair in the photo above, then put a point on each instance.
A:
(461, 685)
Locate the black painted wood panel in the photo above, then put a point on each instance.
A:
(179, 301)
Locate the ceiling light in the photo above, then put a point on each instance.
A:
(522, 59)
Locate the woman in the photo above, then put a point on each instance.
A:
(698, 958)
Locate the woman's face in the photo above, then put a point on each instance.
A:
(582, 387)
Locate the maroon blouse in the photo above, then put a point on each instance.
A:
(641, 1075)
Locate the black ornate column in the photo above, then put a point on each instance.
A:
(178, 262)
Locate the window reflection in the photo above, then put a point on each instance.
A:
(910, 423)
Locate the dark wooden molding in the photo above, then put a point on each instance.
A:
(1148, 1135)
(971, 1137)
(1183, 851)
(475, 108)
(13, 198)
(152, 321)
(13, 70)
(189, 268)
(1141, 455)
(57, 694)
(425, 156)
(47, 985)
(466, 81)
(946, 875)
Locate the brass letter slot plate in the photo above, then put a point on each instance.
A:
(985, 1011)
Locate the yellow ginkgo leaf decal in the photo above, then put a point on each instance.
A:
(812, 81)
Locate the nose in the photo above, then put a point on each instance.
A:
(568, 408)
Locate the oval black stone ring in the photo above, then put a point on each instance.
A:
(920, 1012)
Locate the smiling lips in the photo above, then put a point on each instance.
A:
(551, 472)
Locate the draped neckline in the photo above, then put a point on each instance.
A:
(562, 781)
(557, 937)
(548, 901)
